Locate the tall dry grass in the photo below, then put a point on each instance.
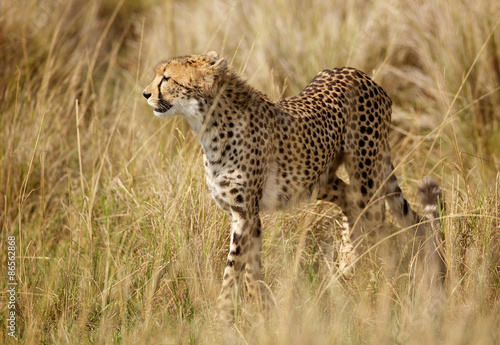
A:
(117, 241)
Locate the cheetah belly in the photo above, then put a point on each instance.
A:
(277, 194)
(270, 201)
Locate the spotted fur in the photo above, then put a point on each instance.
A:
(261, 155)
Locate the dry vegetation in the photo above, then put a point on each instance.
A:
(117, 241)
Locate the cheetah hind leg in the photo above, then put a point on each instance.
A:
(335, 191)
(362, 220)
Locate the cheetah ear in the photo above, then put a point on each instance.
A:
(212, 54)
(218, 64)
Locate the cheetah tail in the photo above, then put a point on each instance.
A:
(431, 197)
(433, 271)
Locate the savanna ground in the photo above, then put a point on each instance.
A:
(117, 240)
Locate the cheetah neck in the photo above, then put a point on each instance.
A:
(228, 117)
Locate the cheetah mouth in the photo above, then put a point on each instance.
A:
(163, 107)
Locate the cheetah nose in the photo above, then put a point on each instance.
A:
(146, 95)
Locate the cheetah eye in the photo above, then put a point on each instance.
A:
(165, 79)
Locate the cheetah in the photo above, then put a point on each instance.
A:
(261, 155)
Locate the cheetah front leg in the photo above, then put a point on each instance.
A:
(255, 286)
(244, 254)
(242, 227)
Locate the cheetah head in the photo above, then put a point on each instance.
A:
(184, 85)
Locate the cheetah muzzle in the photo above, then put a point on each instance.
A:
(163, 106)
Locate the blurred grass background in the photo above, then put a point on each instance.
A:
(117, 239)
